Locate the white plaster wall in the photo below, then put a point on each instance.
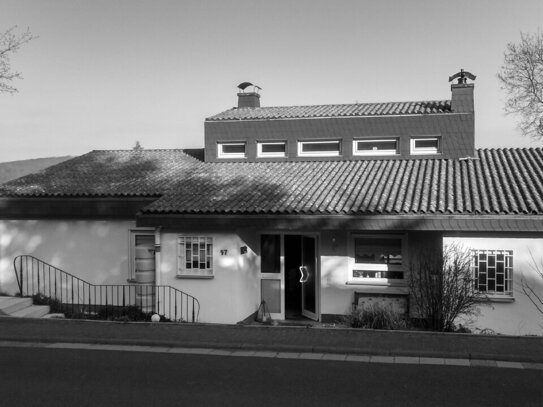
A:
(336, 296)
(95, 251)
(234, 291)
(519, 317)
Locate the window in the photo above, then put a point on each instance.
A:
(319, 148)
(270, 254)
(426, 145)
(493, 271)
(378, 257)
(195, 256)
(272, 149)
(375, 147)
(231, 150)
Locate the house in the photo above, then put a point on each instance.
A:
(303, 207)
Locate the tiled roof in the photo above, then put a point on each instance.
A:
(356, 109)
(107, 173)
(503, 181)
(496, 181)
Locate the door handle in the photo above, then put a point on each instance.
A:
(303, 269)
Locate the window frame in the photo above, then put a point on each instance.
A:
(425, 150)
(182, 271)
(378, 267)
(508, 282)
(262, 154)
(301, 153)
(356, 151)
(222, 154)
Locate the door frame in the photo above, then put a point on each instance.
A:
(306, 313)
(281, 275)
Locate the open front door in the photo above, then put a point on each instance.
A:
(308, 277)
(289, 277)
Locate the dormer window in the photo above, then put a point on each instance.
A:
(231, 150)
(375, 146)
(426, 145)
(325, 148)
(272, 149)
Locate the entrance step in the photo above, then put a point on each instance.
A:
(9, 305)
(34, 311)
(22, 308)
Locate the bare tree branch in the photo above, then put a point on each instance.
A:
(10, 43)
(521, 77)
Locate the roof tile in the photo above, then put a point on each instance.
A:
(502, 181)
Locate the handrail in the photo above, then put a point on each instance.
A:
(78, 298)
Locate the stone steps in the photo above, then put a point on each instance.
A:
(22, 308)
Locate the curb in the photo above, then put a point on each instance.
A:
(281, 348)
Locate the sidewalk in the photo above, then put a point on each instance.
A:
(277, 339)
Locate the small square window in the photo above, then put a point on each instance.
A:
(493, 271)
(376, 147)
(326, 148)
(426, 145)
(272, 149)
(195, 256)
(231, 150)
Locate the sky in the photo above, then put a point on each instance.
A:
(104, 74)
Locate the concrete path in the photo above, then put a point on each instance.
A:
(390, 345)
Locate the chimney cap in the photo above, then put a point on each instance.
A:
(244, 85)
(462, 76)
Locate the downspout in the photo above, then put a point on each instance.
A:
(158, 268)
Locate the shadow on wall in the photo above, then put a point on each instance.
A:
(95, 251)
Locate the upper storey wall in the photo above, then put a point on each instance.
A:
(442, 129)
(454, 133)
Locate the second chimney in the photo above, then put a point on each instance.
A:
(462, 92)
(462, 97)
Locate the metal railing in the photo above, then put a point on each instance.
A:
(78, 298)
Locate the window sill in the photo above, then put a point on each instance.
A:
(495, 298)
(436, 153)
(376, 154)
(194, 277)
(379, 287)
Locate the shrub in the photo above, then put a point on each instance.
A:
(442, 288)
(375, 316)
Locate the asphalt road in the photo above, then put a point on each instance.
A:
(67, 377)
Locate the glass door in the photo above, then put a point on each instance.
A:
(308, 277)
(272, 279)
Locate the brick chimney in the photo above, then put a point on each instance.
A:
(462, 92)
(248, 99)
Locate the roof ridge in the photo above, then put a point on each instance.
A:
(335, 110)
(121, 150)
(340, 104)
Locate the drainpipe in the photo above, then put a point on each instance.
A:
(158, 274)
